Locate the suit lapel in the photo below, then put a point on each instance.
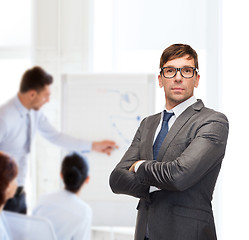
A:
(178, 124)
(152, 126)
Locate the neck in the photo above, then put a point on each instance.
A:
(76, 193)
(170, 105)
(24, 100)
(173, 103)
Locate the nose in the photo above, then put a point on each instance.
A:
(178, 76)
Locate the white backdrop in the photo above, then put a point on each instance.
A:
(107, 106)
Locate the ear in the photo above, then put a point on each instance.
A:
(32, 94)
(87, 179)
(7, 190)
(160, 81)
(197, 81)
(7, 193)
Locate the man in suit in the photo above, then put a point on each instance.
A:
(175, 157)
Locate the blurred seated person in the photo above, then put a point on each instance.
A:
(69, 215)
(8, 187)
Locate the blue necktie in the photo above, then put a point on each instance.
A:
(162, 134)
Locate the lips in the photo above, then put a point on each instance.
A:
(177, 89)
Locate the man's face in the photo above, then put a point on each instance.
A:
(178, 89)
(40, 98)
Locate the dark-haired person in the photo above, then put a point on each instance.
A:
(21, 118)
(70, 216)
(174, 160)
(8, 186)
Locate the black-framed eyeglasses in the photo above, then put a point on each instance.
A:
(186, 72)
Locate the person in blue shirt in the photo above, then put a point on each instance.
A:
(21, 117)
(70, 216)
(8, 186)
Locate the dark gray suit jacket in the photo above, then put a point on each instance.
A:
(186, 170)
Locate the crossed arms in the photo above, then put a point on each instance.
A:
(205, 151)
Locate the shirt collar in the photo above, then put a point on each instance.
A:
(177, 110)
(21, 109)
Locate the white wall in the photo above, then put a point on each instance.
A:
(235, 85)
(61, 43)
(15, 41)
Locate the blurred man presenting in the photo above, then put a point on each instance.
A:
(21, 117)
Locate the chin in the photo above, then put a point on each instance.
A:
(36, 108)
(178, 99)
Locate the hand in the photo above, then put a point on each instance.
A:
(132, 168)
(105, 146)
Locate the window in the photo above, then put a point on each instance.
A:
(15, 41)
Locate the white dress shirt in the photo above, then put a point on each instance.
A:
(177, 110)
(4, 229)
(14, 134)
(69, 215)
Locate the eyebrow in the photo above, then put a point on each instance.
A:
(180, 67)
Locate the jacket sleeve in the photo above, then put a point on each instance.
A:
(124, 182)
(205, 152)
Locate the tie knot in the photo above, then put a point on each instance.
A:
(167, 115)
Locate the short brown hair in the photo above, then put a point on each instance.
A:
(177, 51)
(8, 171)
(35, 79)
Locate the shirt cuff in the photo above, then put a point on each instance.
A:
(138, 165)
(86, 147)
(153, 189)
